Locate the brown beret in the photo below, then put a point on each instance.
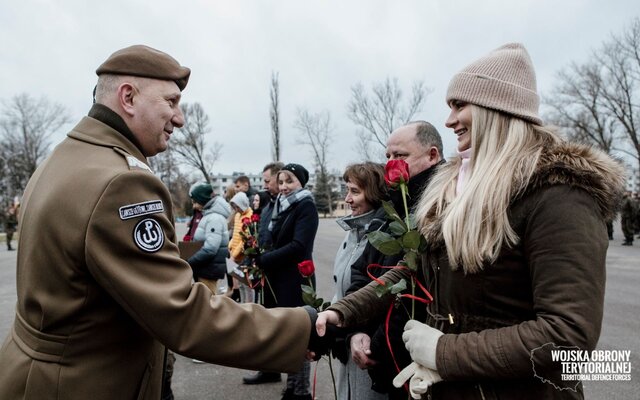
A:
(145, 62)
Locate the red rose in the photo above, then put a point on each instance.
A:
(246, 221)
(396, 172)
(306, 268)
(186, 238)
(255, 218)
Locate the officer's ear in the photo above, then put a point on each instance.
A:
(126, 94)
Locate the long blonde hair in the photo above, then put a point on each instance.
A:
(475, 223)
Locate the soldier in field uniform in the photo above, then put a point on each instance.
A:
(101, 287)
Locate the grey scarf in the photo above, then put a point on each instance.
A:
(283, 203)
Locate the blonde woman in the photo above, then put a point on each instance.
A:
(517, 244)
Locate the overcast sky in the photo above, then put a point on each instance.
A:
(320, 49)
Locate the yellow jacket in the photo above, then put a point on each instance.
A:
(236, 245)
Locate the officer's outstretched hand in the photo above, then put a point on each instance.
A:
(319, 344)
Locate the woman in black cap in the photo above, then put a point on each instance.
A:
(293, 227)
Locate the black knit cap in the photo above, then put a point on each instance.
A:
(146, 62)
(299, 171)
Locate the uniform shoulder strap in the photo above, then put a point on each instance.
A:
(134, 163)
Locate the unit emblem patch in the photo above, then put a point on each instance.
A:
(148, 235)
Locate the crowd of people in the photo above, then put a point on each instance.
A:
(502, 257)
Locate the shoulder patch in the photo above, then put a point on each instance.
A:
(138, 209)
(148, 235)
(134, 163)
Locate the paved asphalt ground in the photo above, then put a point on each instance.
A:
(192, 381)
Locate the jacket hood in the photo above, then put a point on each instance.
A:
(577, 165)
(241, 200)
(586, 168)
(217, 205)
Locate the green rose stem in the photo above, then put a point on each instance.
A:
(271, 289)
(403, 189)
(333, 378)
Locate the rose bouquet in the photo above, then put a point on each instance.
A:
(253, 274)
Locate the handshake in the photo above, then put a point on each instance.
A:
(321, 340)
(420, 340)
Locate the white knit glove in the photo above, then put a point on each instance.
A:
(420, 379)
(421, 341)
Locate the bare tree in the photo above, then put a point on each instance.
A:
(380, 112)
(576, 107)
(315, 130)
(620, 59)
(599, 101)
(274, 112)
(190, 144)
(166, 167)
(25, 128)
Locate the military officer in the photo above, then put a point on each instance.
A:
(101, 287)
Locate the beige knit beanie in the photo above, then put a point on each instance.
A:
(503, 80)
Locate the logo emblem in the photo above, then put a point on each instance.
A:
(148, 235)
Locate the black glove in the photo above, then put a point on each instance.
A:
(340, 349)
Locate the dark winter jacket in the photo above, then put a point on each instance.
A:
(292, 239)
(264, 235)
(383, 372)
(546, 290)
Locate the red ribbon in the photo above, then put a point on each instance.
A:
(249, 281)
(428, 300)
(315, 378)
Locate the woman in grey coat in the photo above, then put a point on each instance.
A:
(365, 191)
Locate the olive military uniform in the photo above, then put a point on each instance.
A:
(101, 288)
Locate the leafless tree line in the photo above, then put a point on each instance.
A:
(598, 101)
(27, 124)
(376, 113)
(381, 111)
(25, 127)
